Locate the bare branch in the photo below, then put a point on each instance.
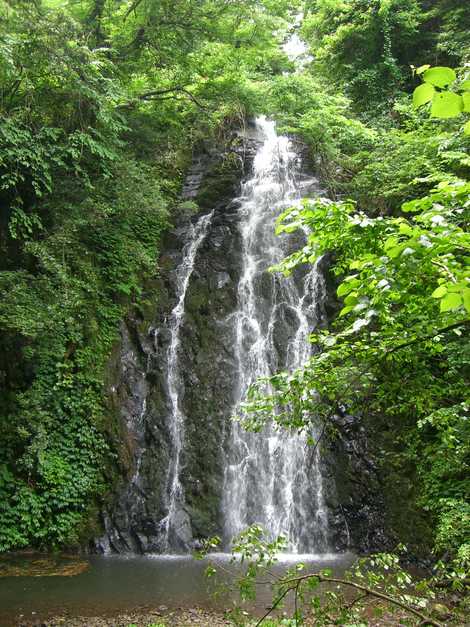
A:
(358, 586)
(167, 94)
(423, 338)
(157, 95)
(133, 7)
(274, 605)
(446, 270)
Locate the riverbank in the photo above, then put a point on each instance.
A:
(144, 617)
(183, 617)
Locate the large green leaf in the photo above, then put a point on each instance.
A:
(451, 301)
(423, 94)
(422, 68)
(466, 298)
(439, 76)
(344, 289)
(439, 292)
(466, 101)
(466, 128)
(394, 251)
(446, 104)
(390, 243)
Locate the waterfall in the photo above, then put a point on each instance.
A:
(184, 372)
(273, 478)
(174, 492)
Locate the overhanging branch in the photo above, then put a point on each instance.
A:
(423, 338)
(293, 584)
(166, 94)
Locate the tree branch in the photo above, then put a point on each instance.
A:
(165, 94)
(133, 7)
(274, 605)
(423, 338)
(445, 269)
(361, 597)
(357, 586)
(296, 595)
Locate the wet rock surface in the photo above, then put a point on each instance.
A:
(356, 506)
(132, 523)
(132, 516)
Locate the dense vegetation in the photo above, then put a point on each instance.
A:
(397, 173)
(101, 105)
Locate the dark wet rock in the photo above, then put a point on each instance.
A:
(372, 506)
(181, 531)
(134, 513)
(132, 518)
(356, 505)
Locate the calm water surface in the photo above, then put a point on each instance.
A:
(114, 584)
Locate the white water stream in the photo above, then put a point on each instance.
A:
(273, 478)
(174, 493)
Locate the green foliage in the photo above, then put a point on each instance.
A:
(400, 166)
(366, 47)
(405, 287)
(379, 583)
(444, 102)
(65, 317)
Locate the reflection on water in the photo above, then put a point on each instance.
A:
(114, 584)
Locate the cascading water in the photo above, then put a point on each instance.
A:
(174, 492)
(182, 378)
(273, 478)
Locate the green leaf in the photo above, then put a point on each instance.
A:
(411, 205)
(465, 86)
(466, 128)
(439, 292)
(446, 104)
(344, 289)
(451, 301)
(466, 102)
(405, 228)
(439, 76)
(345, 310)
(466, 298)
(423, 94)
(391, 242)
(422, 68)
(351, 299)
(394, 252)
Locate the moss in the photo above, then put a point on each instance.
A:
(204, 516)
(403, 515)
(218, 184)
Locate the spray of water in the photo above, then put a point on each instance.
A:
(272, 478)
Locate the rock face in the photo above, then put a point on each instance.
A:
(133, 521)
(134, 518)
(357, 506)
